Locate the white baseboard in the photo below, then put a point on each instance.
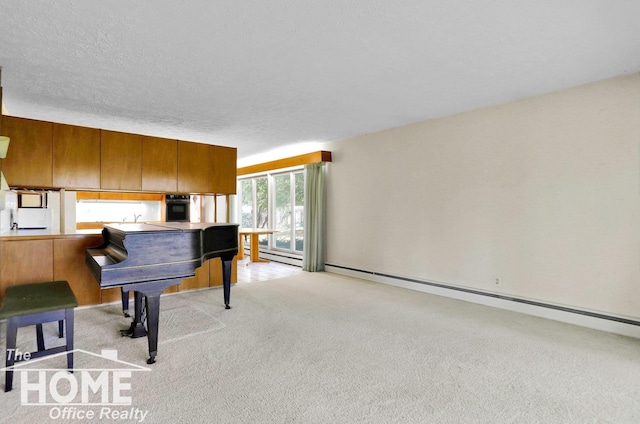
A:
(279, 257)
(614, 324)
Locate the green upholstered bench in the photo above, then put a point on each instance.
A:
(35, 304)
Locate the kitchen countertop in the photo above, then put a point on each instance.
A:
(44, 233)
(33, 234)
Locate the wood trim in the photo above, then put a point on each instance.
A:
(315, 157)
(1, 107)
(107, 195)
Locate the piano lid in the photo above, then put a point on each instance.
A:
(139, 252)
(188, 226)
(165, 226)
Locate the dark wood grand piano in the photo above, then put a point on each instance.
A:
(148, 258)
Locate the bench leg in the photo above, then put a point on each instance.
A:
(39, 337)
(68, 319)
(10, 353)
(40, 334)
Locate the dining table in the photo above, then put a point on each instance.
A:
(254, 233)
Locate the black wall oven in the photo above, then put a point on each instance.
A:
(178, 207)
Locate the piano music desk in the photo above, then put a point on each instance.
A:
(254, 233)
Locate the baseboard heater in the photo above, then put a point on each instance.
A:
(633, 331)
(282, 258)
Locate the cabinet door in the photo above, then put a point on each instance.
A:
(223, 169)
(76, 156)
(193, 167)
(215, 271)
(121, 161)
(29, 158)
(159, 164)
(199, 281)
(68, 254)
(24, 262)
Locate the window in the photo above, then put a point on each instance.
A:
(262, 207)
(275, 201)
(246, 204)
(282, 185)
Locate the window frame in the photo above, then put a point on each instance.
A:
(270, 246)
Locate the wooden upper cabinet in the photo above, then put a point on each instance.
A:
(159, 164)
(223, 162)
(193, 167)
(121, 161)
(29, 158)
(76, 157)
(52, 155)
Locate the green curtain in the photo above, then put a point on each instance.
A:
(314, 217)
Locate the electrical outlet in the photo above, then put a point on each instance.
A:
(497, 282)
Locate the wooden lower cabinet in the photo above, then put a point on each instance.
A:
(68, 264)
(199, 281)
(24, 262)
(49, 259)
(113, 295)
(34, 261)
(215, 272)
(208, 275)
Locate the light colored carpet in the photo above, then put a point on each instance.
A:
(324, 348)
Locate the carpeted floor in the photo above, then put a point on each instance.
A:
(324, 348)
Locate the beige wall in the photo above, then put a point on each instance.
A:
(542, 194)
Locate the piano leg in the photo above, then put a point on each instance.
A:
(226, 281)
(153, 319)
(153, 304)
(137, 325)
(150, 292)
(125, 302)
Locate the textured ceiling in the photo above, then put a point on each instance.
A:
(260, 75)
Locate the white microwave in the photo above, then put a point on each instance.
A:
(34, 218)
(32, 199)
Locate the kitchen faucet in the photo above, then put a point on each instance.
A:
(136, 217)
